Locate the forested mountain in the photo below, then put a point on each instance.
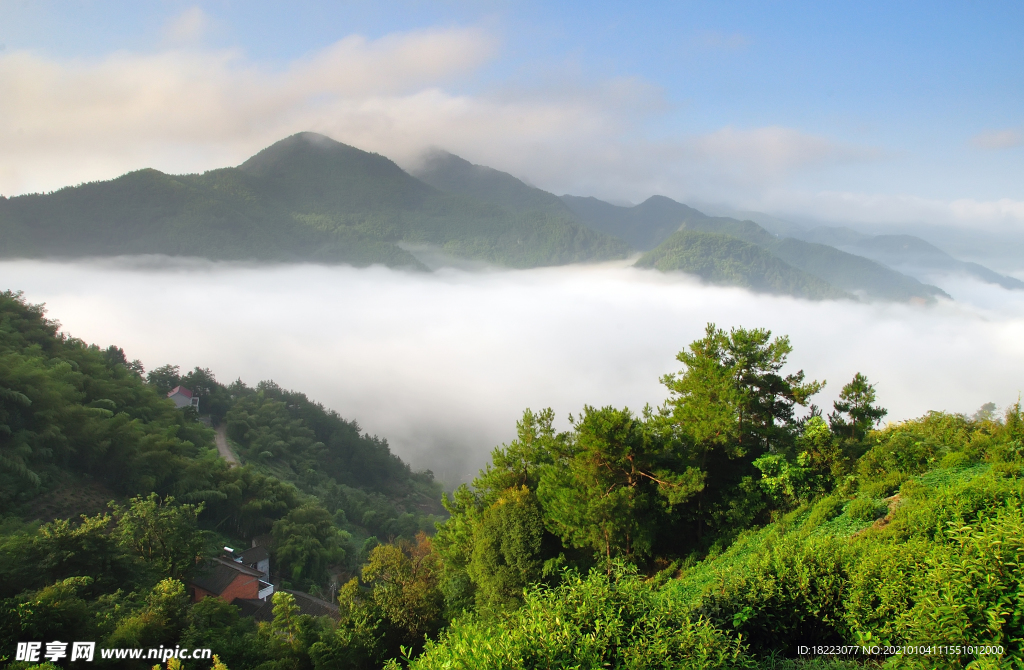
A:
(309, 198)
(304, 198)
(721, 529)
(451, 174)
(727, 261)
(908, 253)
(644, 226)
(651, 222)
(80, 426)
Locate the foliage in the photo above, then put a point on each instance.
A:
(306, 543)
(605, 487)
(507, 549)
(162, 533)
(854, 413)
(405, 586)
(601, 620)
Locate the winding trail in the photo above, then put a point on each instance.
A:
(223, 448)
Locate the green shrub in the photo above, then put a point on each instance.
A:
(955, 459)
(884, 582)
(972, 592)
(867, 509)
(791, 590)
(824, 510)
(597, 621)
(885, 486)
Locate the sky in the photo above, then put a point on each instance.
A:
(876, 112)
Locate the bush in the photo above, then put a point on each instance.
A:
(600, 620)
(955, 459)
(866, 509)
(792, 590)
(824, 510)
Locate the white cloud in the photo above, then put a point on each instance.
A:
(63, 122)
(443, 364)
(763, 153)
(998, 139)
(189, 26)
(191, 109)
(994, 215)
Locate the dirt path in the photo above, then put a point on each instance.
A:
(223, 448)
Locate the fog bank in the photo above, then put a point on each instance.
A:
(443, 364)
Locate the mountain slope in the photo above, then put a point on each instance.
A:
(725, 260)
(452, 174)
(907, 253)
(654, 220)
(918, 257)
(305, 198)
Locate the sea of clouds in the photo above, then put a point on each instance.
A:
(443, 364)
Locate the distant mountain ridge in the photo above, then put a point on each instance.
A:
(727, 261)
(908, 253)
(305, 198)
(653, 221)
(309, 198)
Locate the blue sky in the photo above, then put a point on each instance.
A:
(874, 111)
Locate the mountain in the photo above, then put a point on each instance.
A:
(305, 198)
(452, 174)
(909, 254)
(643, 226)
(653, 221)
(725, 260)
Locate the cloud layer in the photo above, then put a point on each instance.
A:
(443, 364)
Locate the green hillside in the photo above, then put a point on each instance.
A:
(644, 226)
(451, 174)
(81, 426)
(727, 261)
(650, 223)
(914, 255)
(306, 198)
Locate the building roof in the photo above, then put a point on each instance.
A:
(217, 574)
(179, 390)
(254, 555)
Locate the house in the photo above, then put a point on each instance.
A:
(183, 397)
(257, 558)
(230, 580)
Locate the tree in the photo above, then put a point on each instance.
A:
(164, 378)
(306, 543)
(162, 533)
(159, 621)
(854, 415)
(609, 483)
(729, 406)
(507, 549)
(512, 467)
(405, 586)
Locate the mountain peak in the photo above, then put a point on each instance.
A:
(299, 148)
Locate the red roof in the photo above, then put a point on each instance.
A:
(179, 389)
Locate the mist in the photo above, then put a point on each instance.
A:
(443, 364)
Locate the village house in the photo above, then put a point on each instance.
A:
(230, 580)
(183, 397)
